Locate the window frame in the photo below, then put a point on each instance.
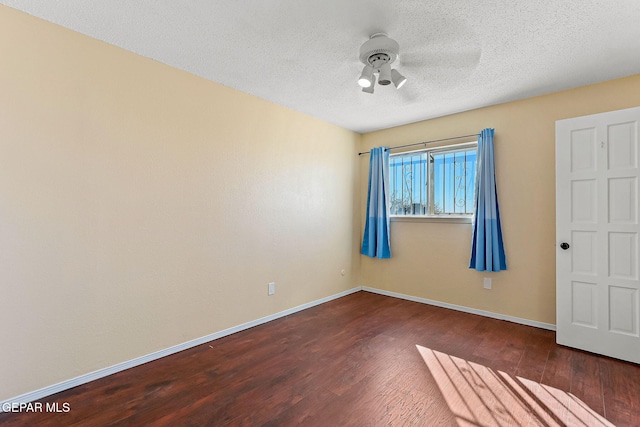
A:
(450, 218)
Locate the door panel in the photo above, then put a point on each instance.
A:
(623, 310)
(598, 277)
(583, 304)
(622, 146)
(583, 255)
(623, 263)
(623, 200)
(583, 201)
(583, 150)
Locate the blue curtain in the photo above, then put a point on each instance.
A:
(487, 248)
(375, 242)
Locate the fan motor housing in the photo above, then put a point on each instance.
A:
(379, 49)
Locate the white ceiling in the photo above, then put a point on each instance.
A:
(303, 54)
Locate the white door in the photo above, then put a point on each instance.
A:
(597, 232)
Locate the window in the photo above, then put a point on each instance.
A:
(437, 182)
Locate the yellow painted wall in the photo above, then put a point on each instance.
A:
(430, 260)
(142, 207)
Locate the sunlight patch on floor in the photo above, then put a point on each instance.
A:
(480, 396)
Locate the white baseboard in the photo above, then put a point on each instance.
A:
(100, 373)
(527, 322)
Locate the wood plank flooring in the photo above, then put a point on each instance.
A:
(363, 360)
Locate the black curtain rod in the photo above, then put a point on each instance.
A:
(425, 142)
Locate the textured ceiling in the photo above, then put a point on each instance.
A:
(303, 54)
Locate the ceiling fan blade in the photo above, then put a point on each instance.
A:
(455, 59)
(408, 94)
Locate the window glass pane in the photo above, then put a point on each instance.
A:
(407, 184)
(470, 180)
(454, 182)
(418, 202)
(448, 180)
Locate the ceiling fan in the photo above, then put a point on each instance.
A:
(377, 54)
(437, 62)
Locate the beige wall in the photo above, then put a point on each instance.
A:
(142, 207)
(430, 260)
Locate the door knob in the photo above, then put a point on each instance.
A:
(564, 246)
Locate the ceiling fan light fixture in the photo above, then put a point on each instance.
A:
(379, 43)
(377, 54)
(398, 79)
(370, 88)
(367, 78)
(385, 74)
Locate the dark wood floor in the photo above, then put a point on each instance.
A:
(363, 360)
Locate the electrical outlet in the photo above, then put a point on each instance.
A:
(272, 288)
(487, 283)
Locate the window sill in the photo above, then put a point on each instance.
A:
(446, 219)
